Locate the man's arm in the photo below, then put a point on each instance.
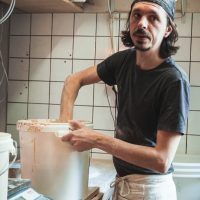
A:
(157, 158)
(71, 88)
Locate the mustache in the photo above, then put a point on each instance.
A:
(142, 32)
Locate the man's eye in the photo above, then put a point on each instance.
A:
(136, 16)
(152, 18)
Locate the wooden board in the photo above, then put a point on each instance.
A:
(98, 197)
(43, 6)
(92, 192)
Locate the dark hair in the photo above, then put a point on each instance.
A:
(167, 47)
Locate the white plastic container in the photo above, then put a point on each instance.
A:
(55, 169)
(6, 147)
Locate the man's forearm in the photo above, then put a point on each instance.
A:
(142, 156)
(157, 158)
(71, 88)
(68, 97)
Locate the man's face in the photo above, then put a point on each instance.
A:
(148, 26)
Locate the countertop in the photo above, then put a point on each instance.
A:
(101, 174)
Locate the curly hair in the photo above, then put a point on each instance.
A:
(167, 47)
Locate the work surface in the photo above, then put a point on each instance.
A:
(101, 174)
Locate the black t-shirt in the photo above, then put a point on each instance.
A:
(148, 100)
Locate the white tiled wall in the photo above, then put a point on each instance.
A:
(46, 48)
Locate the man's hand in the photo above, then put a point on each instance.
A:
(81, 137)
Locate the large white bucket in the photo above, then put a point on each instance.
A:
(6, 147)
(55, 169)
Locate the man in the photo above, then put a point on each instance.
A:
(153, 104)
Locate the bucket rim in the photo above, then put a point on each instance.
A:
(48, 121)
(4, 135)
(45, 125)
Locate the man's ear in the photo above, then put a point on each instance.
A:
(168, 31)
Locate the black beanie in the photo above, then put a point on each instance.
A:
(168, 5)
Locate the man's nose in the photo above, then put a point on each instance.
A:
(143, 23)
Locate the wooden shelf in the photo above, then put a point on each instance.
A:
(42, 6)
(50, 6)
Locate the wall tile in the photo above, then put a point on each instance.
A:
(100, 95)
(85, 24)
(185, 66)
(38, 111)
(193, 123)
(38, 92)
(40, 46)
(104, 25)
(17, 91)
(79, 65)
(41, 24)
(84, 47)
(98, 61)
(19, 46)
(20, 24)
(195, 98)
(62, 47)
(55, 92)
(182, 145)
(14, 132)
(85, 96)
(196, 25)
(183, 53)
(195, 49)
(40, 69)
(123, 19)
(18, 69)
(15, 112)
(195, 71)
(121, 45)
(184, 25)
(103, 118)
(193, 145)
(104, 46)
(54, 111)
(60, 69)
(63, 23)
(82, 113)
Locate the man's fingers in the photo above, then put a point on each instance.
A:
(67, 137)
(75, 124)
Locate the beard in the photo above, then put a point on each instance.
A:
(140, 44)
(140, 48)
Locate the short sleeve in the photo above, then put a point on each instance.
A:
(175, 107)
(110, 67)
(106, 72)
